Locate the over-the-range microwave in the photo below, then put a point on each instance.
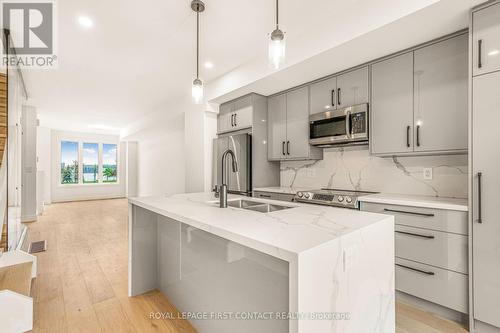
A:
(346, 126)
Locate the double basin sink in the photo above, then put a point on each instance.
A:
(256, 206)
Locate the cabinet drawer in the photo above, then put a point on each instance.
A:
(434, 219)
(436, 248)
(286, 197)
(266, 195)
(434, 284)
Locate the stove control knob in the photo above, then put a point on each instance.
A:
(348, 199)
(306, 195)
(340, 198)
(300, 194)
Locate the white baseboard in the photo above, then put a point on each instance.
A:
(29, 218)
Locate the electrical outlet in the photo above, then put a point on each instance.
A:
(428, 173)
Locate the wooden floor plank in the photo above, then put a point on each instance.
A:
(16, 278)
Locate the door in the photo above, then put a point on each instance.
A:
(239, 181)
(224, 123)
(392, 105)
(486, 235)
(323, 95)
(276, 127)
(352, 88)
(440, 95)
(486, 40)
(297, 119)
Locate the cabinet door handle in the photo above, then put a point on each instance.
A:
(235, 117)
(407, 212)
(416, 235)
(418, 135)
(283, 148)
(479, 198)
(264, 195)
(232, 122)
(416, 269)
(288, 147)
(338, 96)
(408, 136)
(333, 97)
(479, 53)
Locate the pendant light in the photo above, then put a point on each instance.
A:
(197, 89)
(277, 44)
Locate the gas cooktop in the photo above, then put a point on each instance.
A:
(332, 197)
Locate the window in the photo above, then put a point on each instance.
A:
(109, 171)
(89, 162)
(69, 162)
(90, 165)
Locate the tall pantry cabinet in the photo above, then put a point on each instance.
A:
(485, 166)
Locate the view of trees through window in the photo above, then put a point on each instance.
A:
(109, 173)
(99, 162)
(90, 155)
(69, 162)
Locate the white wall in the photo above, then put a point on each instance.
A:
(73, 192)
(28, 160)
(44, 156)
(160, 152)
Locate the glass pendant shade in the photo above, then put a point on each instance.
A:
(277, 49)
(197, 91)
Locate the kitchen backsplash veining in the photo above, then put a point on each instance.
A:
(354, 168)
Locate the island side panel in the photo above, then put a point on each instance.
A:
(143, 227)
(352, 277)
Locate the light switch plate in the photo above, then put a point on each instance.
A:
(428, 173)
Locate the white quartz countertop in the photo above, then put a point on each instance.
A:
(283, 234)
(283, 190)
(417, 201)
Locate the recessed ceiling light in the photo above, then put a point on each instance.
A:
(208, 64)
(85, 22)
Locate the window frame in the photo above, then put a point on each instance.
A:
(100, 144)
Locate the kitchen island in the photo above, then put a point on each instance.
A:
(300, 269)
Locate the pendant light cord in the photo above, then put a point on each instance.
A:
(277, 17)
(197, 45)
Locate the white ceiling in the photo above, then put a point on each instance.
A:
(140, 55)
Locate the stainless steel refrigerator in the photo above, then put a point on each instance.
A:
(239, 182)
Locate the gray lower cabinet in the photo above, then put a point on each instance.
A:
(391, 111)
(288, 127)
(486, 194)
(440, 97)
(419, 100)
(431, 253)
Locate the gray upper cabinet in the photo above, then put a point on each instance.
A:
(297, 123)
(235, 115)
(323, 95)
(352, 88)
(440, 97)
(392, 105)
(340, 91)
(486, 40)
(419, 100)
(288, 127)
(276, 126)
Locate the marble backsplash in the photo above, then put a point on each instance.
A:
(355, 168)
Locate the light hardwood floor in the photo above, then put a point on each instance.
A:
(82, 277)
